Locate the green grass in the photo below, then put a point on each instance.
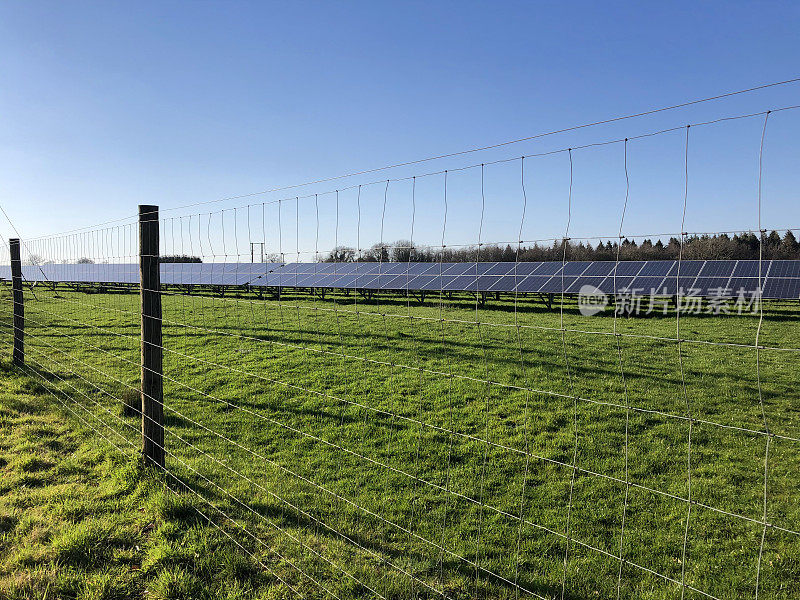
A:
(365, 449)
(78, 520)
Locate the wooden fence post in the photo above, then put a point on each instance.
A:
(152, 352)
(19, 304)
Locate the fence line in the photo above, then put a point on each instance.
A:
(473, 379)
(387, 446)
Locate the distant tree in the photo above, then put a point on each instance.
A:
(341, 254)
(424, 255)
(790, 248)
(773, 239)
(401, 251)
(85, 261)
(629, 250)
(180, 258)
(741, 246)
(377, 253)
(34, 259)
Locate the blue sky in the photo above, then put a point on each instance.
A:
(106, 105)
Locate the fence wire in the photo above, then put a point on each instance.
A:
(370, 443)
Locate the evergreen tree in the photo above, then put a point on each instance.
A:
(789, 246)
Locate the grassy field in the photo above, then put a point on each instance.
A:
(77, 520)
(394, 449)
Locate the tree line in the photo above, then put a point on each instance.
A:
(36, 259)
(740, 246)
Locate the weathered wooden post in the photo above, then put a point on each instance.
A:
(18, 355)
(152, 352)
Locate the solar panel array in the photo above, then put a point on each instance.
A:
(781, 278)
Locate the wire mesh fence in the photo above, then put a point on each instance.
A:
(360, 438)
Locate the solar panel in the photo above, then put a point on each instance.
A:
(341, 280)
(459, 283)
(459, 269)
(548, 268)
(367, 268)
(622, 285)
(288, 267)
(554, 285)
(482, 267)
(326, 280)
(688, 267)
(580, 282)
(716, 268)
(746, 285)
(394, 282)
(784, 268)
(288, 279)
(526, 268)
(421, 268)
(428, 283)
(628, 268)
(373, 281)
(748, 268)
(404, 281)
(205, 275)
(782, 287)
(532, 283)
(260, 274)
(51, 273)
(397, 282)
(504, 283)
(683, 286)
(295, 267)
(654, 268)
(576, 268)
(713, 286)
(516, 282)
(599, 268)
(220, 275)
(368, 279)
(229, 279)
(357, 275)
(306, 279)
(333, 278)
(648, 285)
(501, 268)
(338, 267)
(487, 282)
(707, 278)
(392, 268)
(243, 274)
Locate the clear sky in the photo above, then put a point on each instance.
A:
(106, 105)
